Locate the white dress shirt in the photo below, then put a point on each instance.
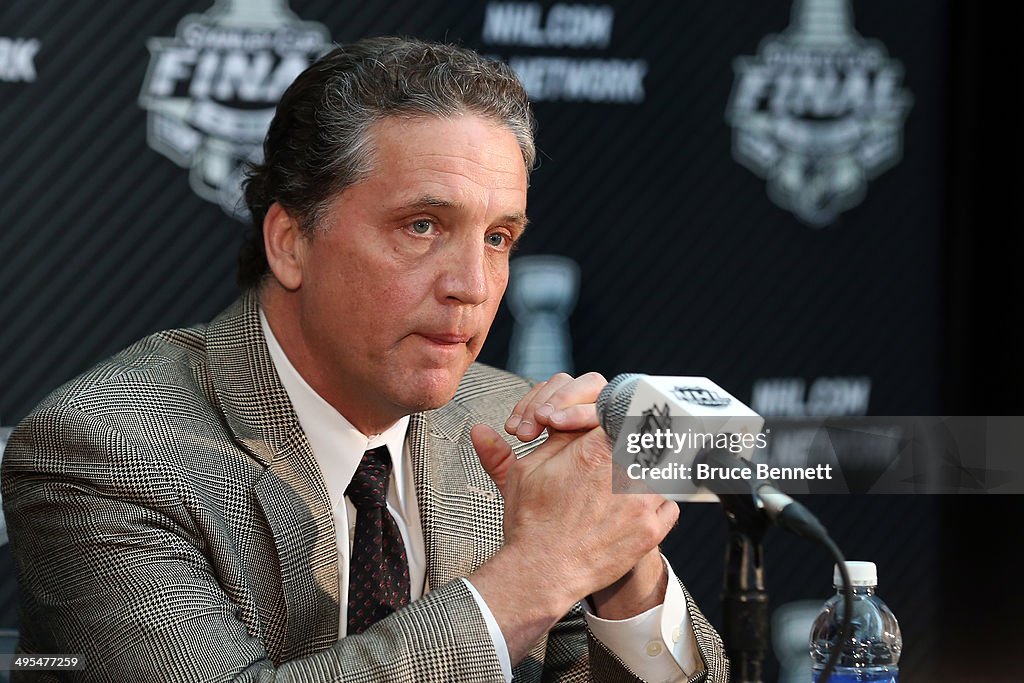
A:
(657, 644)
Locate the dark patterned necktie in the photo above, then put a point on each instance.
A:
(378, 581)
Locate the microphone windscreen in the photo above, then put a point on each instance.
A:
(614, 400)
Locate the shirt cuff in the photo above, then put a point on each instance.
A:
(657, 645)
(500, 646)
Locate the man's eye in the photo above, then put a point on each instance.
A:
(422, 227)
(497, 239)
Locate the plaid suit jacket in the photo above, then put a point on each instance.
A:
(169, 522)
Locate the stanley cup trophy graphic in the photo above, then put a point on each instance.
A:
(820, 25)
(251, 13)
(818, 112)
(212, 89)
(825, 23)
(541, 295)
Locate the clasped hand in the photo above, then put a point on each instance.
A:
(562, 520)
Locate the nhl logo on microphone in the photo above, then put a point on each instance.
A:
(701, 396)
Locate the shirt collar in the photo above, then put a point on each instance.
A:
(332, 437)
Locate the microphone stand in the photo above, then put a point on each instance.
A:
(744, 598)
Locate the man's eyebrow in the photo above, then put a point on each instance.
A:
(518, 218)
(429, 200)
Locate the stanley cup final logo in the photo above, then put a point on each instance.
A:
(212, 89)
(818, 112)
(541, 295)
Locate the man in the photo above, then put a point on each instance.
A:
(210, 503)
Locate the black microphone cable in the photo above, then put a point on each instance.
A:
(847, 623)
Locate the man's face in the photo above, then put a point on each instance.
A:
(401, 285)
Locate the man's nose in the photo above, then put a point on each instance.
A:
(465, 277)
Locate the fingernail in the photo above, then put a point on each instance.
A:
(512, 423)
(545, 409)
(524, 427)
(558, 416)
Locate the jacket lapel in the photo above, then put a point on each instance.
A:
(290, 491)
(460, 507)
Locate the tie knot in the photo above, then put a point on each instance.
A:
(369, 485)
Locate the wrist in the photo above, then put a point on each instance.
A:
(642, 588)
(546, 586)
(521, 597)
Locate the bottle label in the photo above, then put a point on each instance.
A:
(850, 675)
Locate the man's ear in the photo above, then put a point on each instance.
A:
(284, 243)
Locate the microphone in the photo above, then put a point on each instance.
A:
(644, 412)
(639, 402)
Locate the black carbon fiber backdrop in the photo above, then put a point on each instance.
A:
(687, 265)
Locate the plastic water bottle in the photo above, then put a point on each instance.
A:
(873, 650)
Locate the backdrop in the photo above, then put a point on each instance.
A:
(792, 197)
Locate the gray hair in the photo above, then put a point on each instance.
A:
(319, 144)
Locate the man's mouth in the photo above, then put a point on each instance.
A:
(446, 338)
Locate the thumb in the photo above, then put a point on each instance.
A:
(494, 452)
